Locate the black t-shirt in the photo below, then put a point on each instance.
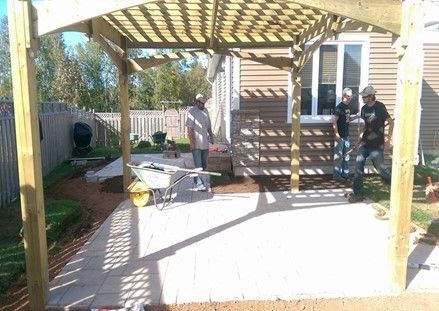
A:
(343, 112)
(374, 117)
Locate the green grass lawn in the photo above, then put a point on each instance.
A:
(423, 212)
(101, 151)
(61, 171)
(61, 215)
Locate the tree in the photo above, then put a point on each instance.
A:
(5, 60)
(58, 74)
(142, 89)
(194, 82)
(168, 84)
(100, 77)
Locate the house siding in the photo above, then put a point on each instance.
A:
(265, 89)
(218, 107)
(430, 100)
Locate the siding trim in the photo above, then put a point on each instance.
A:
(236, 84)
(228, 103)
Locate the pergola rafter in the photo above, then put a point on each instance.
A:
(214, 27)
(213, 23)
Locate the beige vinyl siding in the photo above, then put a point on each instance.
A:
(430, 100)
(265, 88)
(218, 107)
(383, 67)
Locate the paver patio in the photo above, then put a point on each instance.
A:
(252, 246)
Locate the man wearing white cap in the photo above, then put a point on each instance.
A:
(340, 123)
(372, 141)
(200, 135)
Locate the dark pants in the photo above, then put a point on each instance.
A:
(200, 160)
(377, 158)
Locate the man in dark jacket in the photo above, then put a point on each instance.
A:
(372, 141)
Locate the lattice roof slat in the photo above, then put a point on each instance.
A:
(212, 23)
(155, 24)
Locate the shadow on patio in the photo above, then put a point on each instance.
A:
(223, 247)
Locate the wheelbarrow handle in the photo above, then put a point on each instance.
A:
(175, 168)
(197, 171)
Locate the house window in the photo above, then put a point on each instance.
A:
(334, 66)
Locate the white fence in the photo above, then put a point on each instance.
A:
(142, 122)
(57, 122)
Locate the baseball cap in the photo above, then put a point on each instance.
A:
(200, 98)
(347, 92)
(368, 90)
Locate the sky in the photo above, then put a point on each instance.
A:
(71, 38)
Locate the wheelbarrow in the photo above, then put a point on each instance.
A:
(152, 178)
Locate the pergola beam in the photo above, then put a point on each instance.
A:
(351, 25)
(315, 30)
(280, 62)
(114, 56)
(213, 23)
(408, 108)
(202, 45)
(143, 63)
(28, 151)
(53, 15)
(139, 64)
(329, 31)
(125, 119)
(102, 27)
(296, 97)
(385, 14)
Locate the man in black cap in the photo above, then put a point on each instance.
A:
(372, 141)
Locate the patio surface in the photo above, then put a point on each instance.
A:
(253, 246)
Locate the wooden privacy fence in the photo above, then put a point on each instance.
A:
(57, 121)
(142, 122)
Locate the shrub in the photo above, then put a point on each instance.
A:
(144, 144)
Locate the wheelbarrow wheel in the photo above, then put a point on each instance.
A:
(139, 194)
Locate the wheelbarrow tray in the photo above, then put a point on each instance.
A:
(154, 177)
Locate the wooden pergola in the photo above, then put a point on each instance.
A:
(207, 27)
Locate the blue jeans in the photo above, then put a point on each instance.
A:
(341, 168)
(200, 160)
(377, 158)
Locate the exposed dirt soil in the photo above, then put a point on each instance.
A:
(276, 183)
(100, 200)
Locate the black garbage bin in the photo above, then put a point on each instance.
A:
(82, 135)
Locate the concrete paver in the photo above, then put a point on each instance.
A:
(262, 246)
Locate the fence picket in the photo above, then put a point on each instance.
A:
(57, 121)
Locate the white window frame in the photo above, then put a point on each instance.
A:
(341, 41)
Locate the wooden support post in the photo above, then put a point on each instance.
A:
(125, 118)
(28, 151)
(295, 129)
(404, 139)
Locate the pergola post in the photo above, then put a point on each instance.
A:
(125, 117)
(409, 84)
(295, 128)
(28, 150)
